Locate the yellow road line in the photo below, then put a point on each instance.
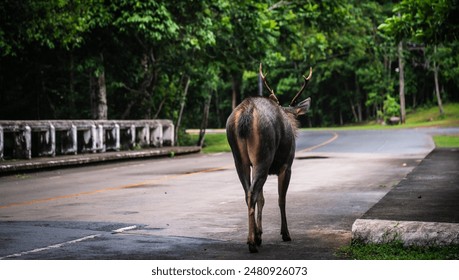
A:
(155, 181)
(335, 136)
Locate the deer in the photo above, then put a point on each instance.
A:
(261, 134)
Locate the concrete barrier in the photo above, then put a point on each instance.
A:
(24, 139)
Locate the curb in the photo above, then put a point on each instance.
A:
(75, 160)
(408, 232)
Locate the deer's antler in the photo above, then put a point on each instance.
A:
(272, 96)
(306, 81)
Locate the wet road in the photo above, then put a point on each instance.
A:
(193, 207)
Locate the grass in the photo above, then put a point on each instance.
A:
(431, 116)
(423, 117)
(446, 141)
(214, 143)
(397, 251)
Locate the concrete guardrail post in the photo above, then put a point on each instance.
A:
(47, 141)
(87, 138)
(23, 143)
(143, 136)
(100, 139)
(127, 136)
(69, 140)
(168, 135)
(112, 137)
(156, 135)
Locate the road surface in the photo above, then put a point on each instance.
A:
(193, 207)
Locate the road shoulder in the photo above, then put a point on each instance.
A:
(421, 209)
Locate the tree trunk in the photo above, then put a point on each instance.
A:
(217, 109)
(101, 97)
(359, 103)
(359, 111)
(143, 93)
(182, 106)
(353, 111)
(205, 118)
(127, 111)
(98, 92)
(235, 88)
(378, 117)
(160, 107)
(402, 82)
(437, 86)
(341, 122)
(72, 77)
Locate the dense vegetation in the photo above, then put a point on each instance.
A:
(176, 59)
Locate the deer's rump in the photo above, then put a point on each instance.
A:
(265, 134)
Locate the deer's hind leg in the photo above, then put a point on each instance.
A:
(260, 204)
(243, 168)
(283, 182)
(255, 196)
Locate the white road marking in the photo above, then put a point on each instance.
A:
(120, 230)
(59, 245)
(55, 246)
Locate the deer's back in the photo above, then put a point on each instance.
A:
(259, 131)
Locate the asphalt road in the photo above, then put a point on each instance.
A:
(193, 207)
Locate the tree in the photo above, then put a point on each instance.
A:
(401, 70)
(60, 26)
(431, 22)
(127, 59)
(243, 31)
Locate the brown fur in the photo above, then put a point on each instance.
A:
(262, 138)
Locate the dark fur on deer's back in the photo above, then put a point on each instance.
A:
(275, 128)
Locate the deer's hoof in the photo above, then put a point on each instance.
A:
(253, 248)
(286, 237)
(258, 240)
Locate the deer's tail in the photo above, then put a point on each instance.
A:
(244, 124)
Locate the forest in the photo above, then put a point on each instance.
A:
(193, 61)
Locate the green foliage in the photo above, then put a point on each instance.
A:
(53, 24)
(429, 21)
(150, 20)
(185, 139)
(50, 52)
(391, 108)
(376, 82)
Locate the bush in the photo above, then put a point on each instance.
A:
(391, 108)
